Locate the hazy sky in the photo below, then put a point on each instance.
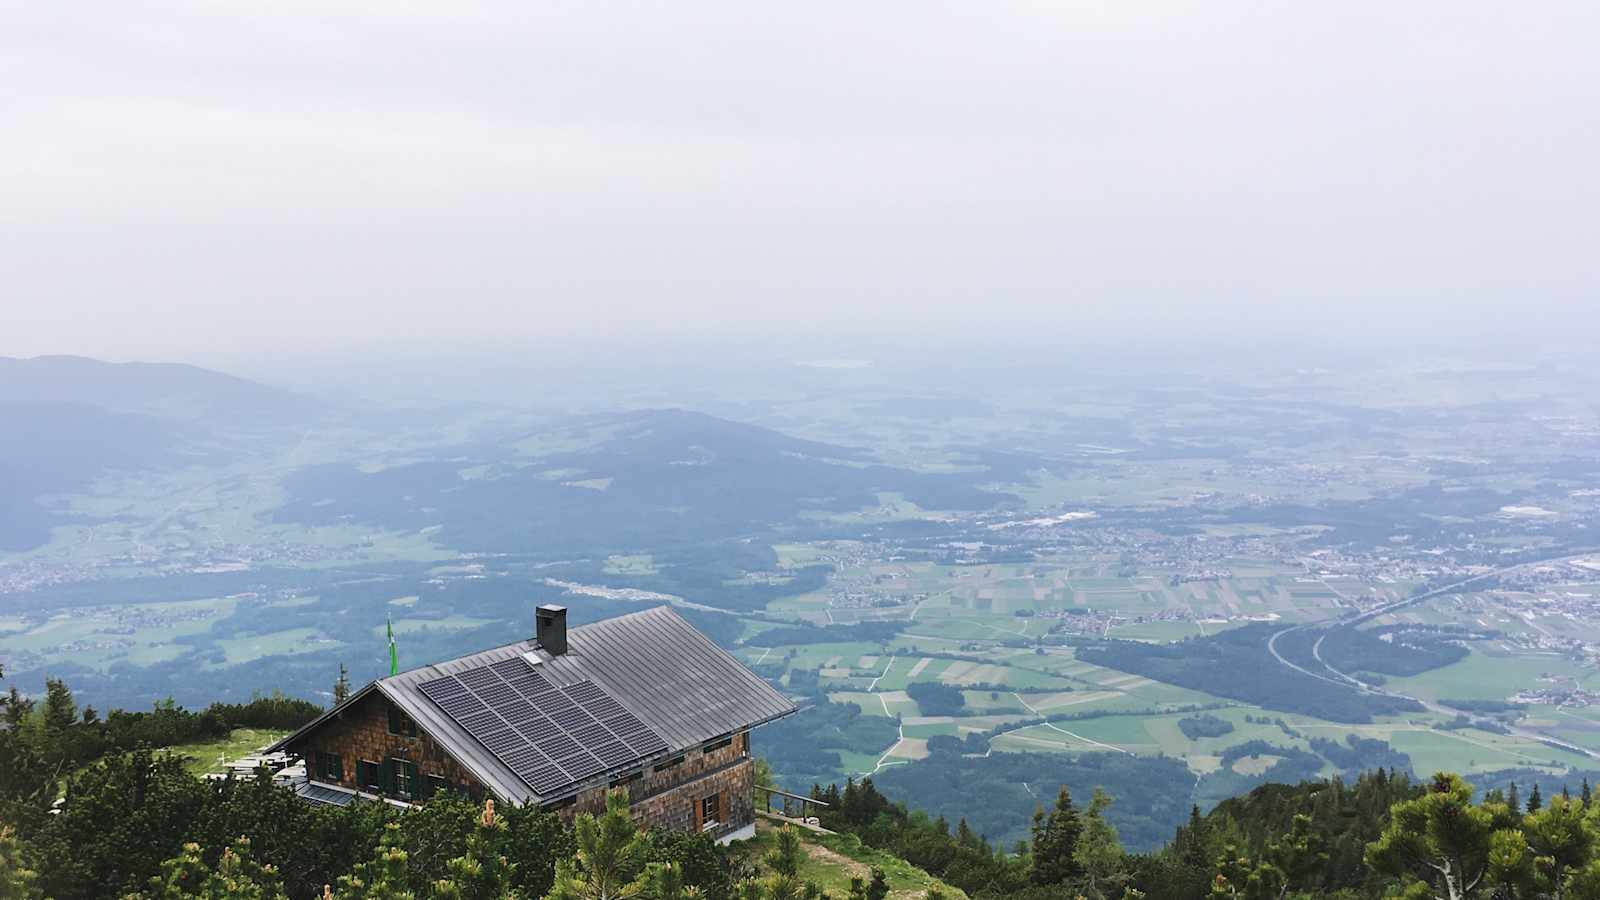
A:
(189, 180)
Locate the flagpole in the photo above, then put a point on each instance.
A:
(394, 652)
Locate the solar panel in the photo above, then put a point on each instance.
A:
(572, 718)
(646, 744)
(479, 678)
(545, 779)
(550, 737)
(538, 729)
(591, 735)
(558, 743)
(482, 722)
(443, 688)
(614, 754)
(605, 708)
(585, 692)
(510, 668)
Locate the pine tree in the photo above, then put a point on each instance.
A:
(609, 858)
(784, 860)
(1583, 796)
(237, 877)
(17, 881)
(384, 877)
(1055, 841)
(482, 873)
(876, 889)
(664, 881)
(341, 686)
(1534, 800)
(1514, 800)
(1193, 838)
(1099, 854)
(1442, 840)
(1559, 838)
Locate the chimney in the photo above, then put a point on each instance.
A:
(552, 629)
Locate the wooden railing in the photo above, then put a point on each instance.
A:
(806, 803)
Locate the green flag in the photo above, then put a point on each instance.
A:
(394, 652)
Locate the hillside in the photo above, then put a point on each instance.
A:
(617, 483)
(137, 823)
(168, 390)
(71, 420)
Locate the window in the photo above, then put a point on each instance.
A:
(405, 778)
(669, 764)
(711, 810)
(437, 783)
(625, 780)
(401, 724)
(330, 767)
(369, 776)
(714, 746)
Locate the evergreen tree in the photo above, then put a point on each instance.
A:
(237, 877)
(1534, 800)
(1441, 839)
(1514, 799)
(341, 685)
(384, 877)
(784, 860)
(664, 881)
(609, 858)
(17, 881)
(483, 872)
(1192, 840)
(1055, 841)
(1099, 854)
(1560, 840)
(1583, 796)
(876, 889)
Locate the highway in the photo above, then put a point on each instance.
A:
(1344, 680)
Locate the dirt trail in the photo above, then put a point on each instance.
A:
(854, 869)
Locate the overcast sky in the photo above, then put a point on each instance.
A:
(188, 180)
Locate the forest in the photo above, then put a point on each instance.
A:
(134, 823)
(1236, 664)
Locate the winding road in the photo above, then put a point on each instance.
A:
(1344, 680)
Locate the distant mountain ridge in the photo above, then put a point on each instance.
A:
(67, 420)
(168, 390)
(611, 483)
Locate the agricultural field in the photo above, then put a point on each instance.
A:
(974, 629)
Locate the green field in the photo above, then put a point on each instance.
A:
(213, 756)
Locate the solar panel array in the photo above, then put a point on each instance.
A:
(550, 736)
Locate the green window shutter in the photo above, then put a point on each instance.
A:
(386, 777)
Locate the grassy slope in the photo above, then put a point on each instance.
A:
(834, 859)
(208, 757)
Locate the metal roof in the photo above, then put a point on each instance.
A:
(325, 794)
(657, 665)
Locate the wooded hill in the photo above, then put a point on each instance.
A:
(134, 823)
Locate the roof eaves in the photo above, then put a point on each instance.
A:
(312, 725)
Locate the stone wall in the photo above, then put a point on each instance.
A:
(678, 808)
(667, 794)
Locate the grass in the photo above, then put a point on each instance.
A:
(833, 859)
(138, 633)
(212, 756)
(276, 643)
(448, 623)
(1483, 677)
